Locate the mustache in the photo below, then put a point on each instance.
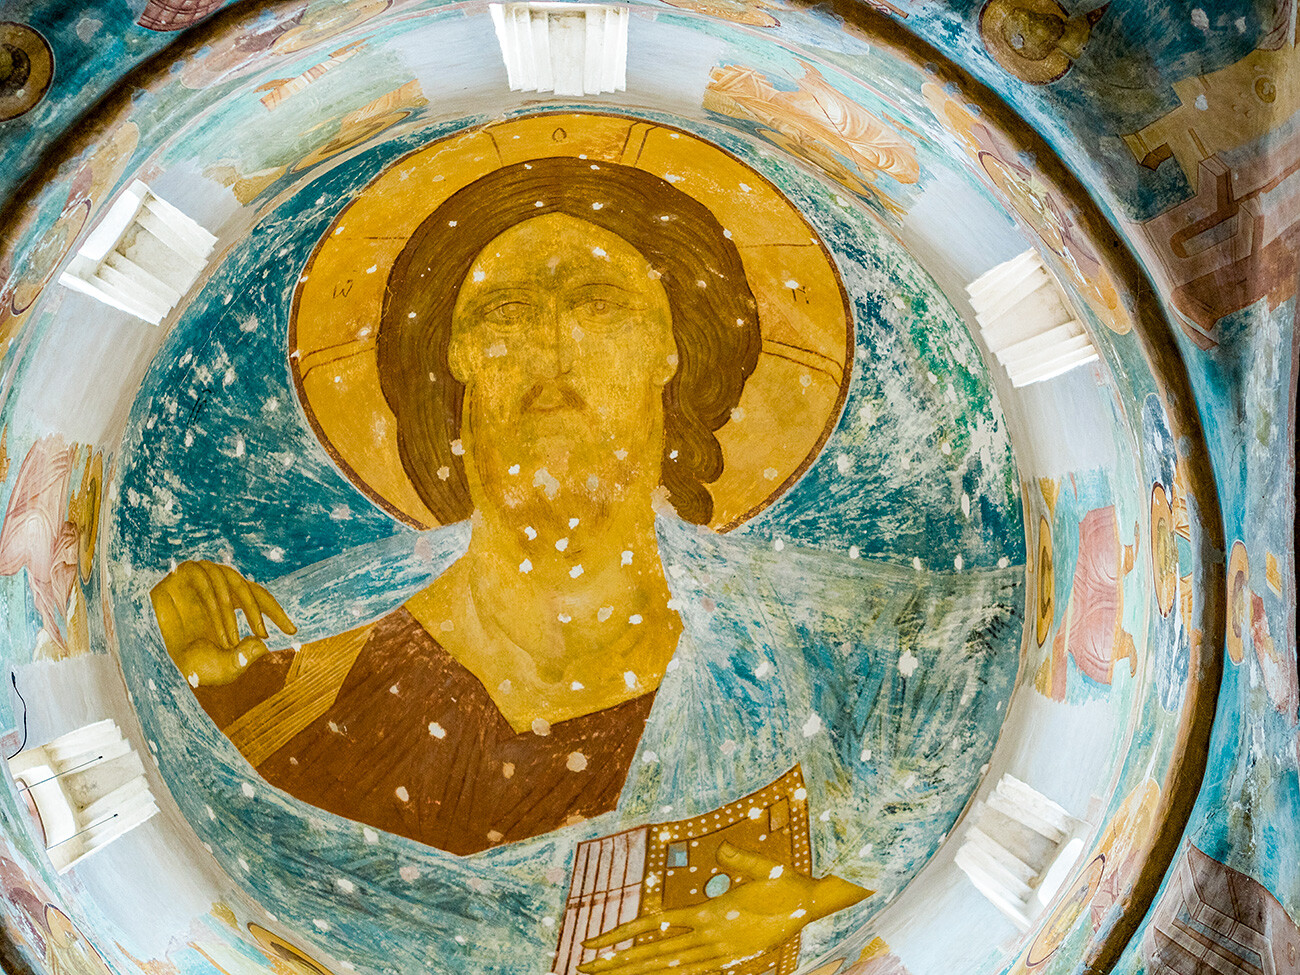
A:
(552, 395)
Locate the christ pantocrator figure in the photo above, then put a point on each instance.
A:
(559, 343)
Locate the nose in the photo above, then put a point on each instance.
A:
(555, 341)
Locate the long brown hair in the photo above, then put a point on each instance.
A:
(714, 316)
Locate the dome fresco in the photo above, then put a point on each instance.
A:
(592, 533)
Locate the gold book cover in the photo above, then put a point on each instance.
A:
(663, 866)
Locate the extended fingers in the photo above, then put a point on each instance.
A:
(268, 605)
(752, 865)
(713, 963)
(241, 590)
(626, 932)
(229, 625)
(684, 959)
(200, 584)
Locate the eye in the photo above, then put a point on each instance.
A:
(602, 308)
(510, 315)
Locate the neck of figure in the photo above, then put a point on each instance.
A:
(559, 607)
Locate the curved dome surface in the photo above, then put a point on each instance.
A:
(610, 518)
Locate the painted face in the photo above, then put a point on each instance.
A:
(562, 336)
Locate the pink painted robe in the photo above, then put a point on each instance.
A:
(37, 535)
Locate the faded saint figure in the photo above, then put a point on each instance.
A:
(560, 341)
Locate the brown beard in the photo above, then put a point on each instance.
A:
(574, 473)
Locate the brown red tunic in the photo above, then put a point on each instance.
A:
(414, 745)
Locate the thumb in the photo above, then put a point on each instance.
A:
(747, 864)
(203, 663)
(249, 649)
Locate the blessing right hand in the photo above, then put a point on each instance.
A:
(195, 606)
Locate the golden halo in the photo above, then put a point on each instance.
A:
(1164, 549)
(1046, 601)
(1238, 614)
(1061, 923)
(287, 954)
(790, 404)
(26, 69)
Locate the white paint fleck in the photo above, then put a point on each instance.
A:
(526, 566)
(437, 730)
(635, 619)
(561, 544)
(575, 572)
(576, 762)
(541, 727)
(908, 663)
(855, 552)
(629, 678)
(369, 835)
(402, 794)
(627, 556)
(549, 484)
(812, 725)
(775, 872)
(247, 790)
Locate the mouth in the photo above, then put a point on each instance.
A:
(552, 397)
